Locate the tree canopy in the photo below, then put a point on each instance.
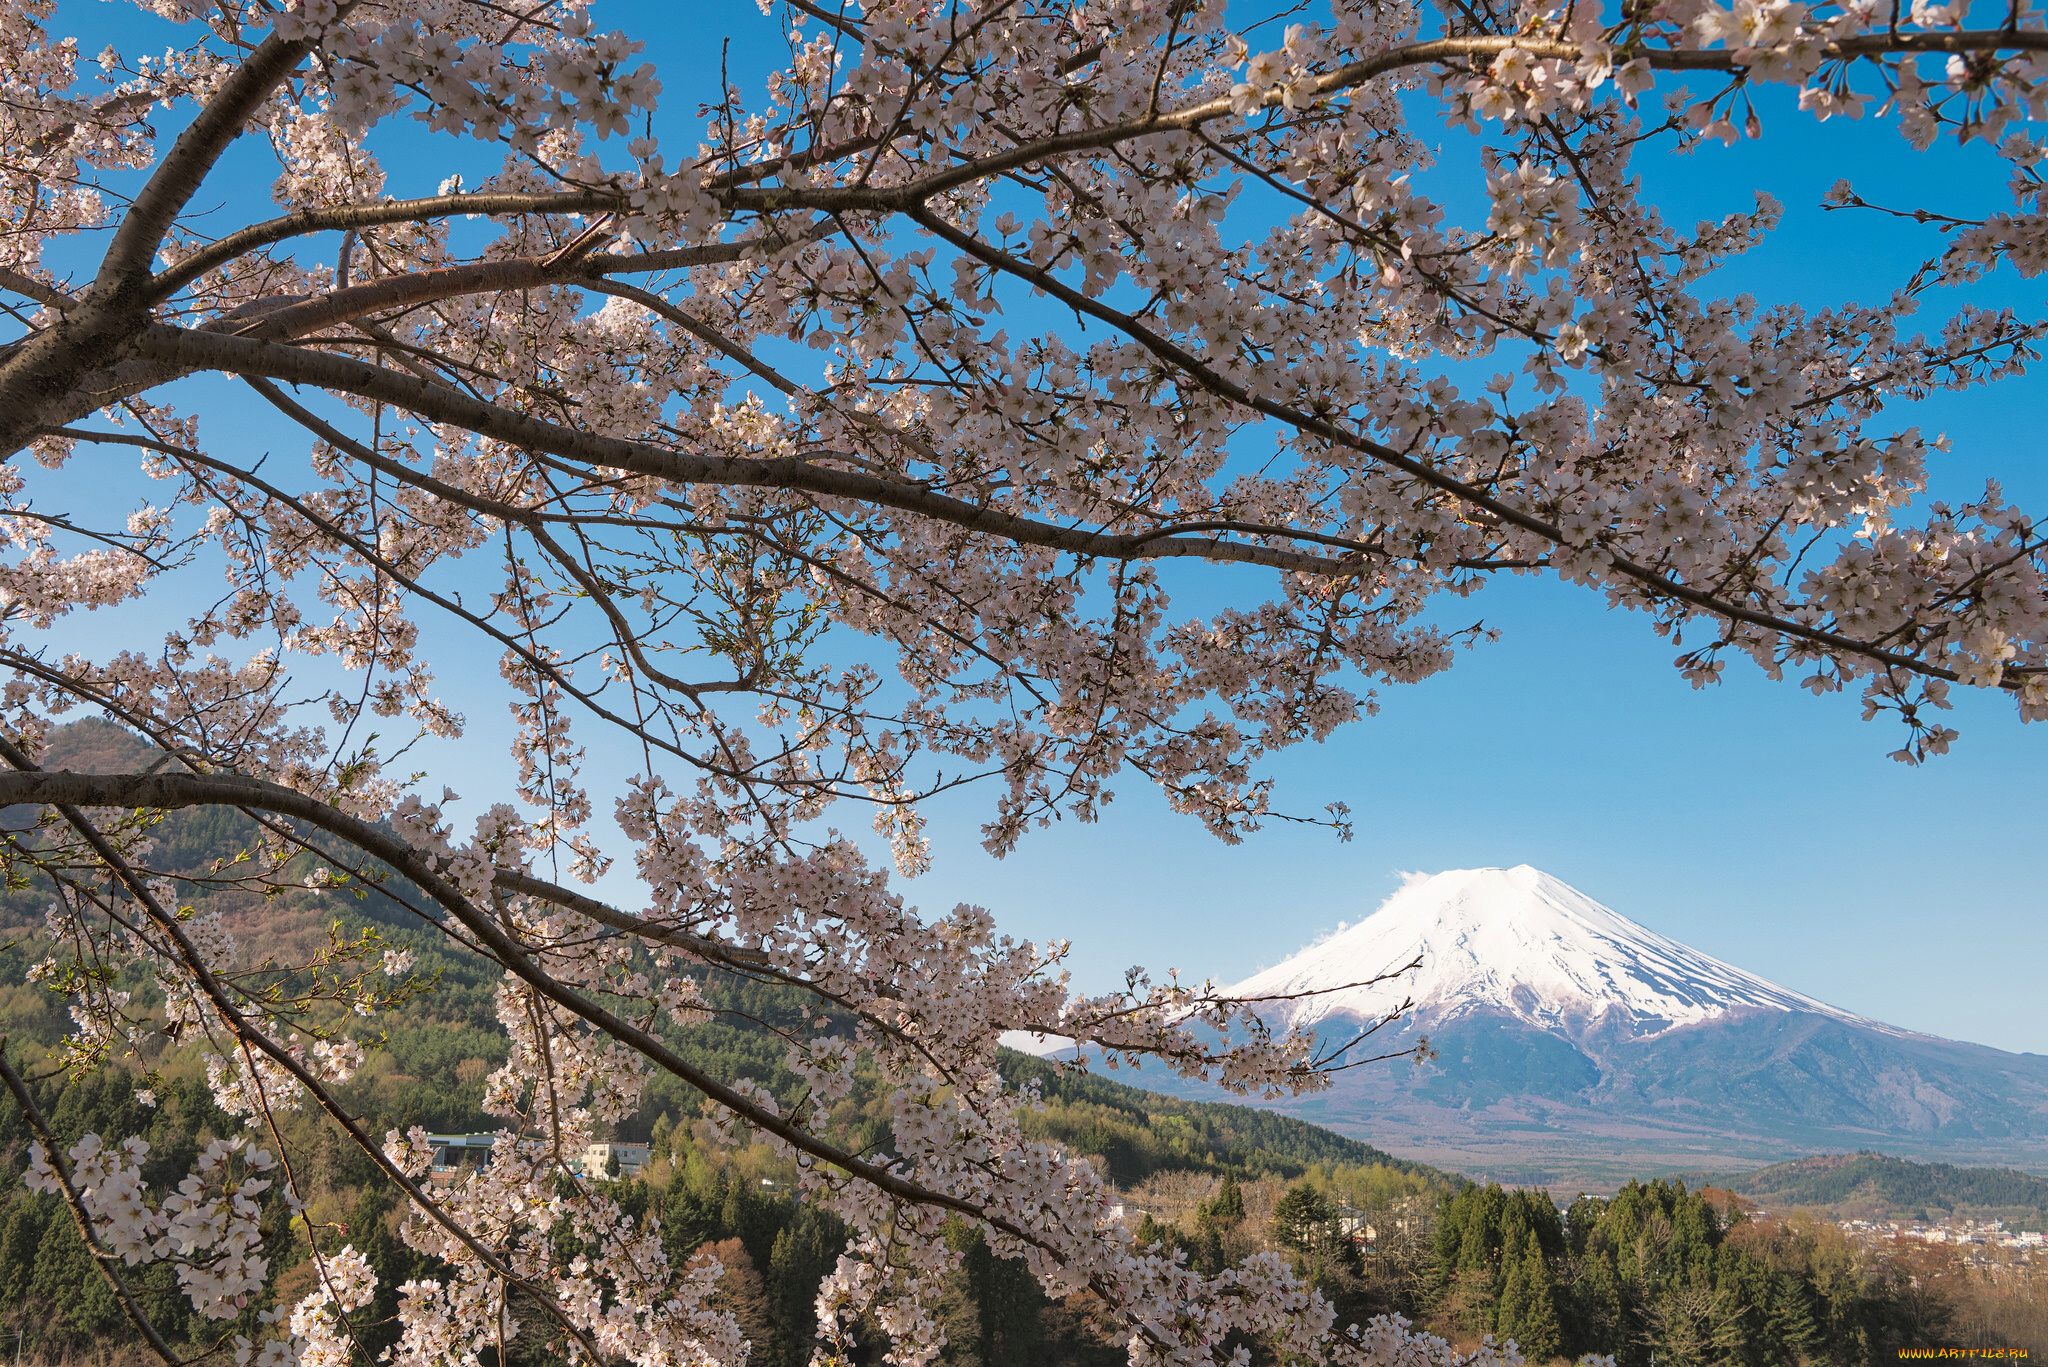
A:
(836, 448)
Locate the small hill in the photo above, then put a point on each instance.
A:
(1138, 1132)
(1877, 1185)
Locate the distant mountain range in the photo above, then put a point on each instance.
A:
(1572, 1043)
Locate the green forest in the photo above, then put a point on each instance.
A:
(1660, 1273)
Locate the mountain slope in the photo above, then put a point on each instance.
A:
(1571, 1041)
(1518, 943)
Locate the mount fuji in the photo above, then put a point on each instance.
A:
(1517, 944)
(1568, 1041)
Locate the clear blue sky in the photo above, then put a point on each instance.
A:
(1752, 821)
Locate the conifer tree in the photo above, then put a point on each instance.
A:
(19, 1239)
(1300, 1217)
(1009, 1302)
(1790, 1316)
(804, 1251)
(1226, 1207)
(376, 1325)
(1511, 1298)
(1538, 1330)
(1597, 1323)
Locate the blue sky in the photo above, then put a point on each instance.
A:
(1751, 820)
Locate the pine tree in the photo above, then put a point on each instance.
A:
(1511, 1300)
(1207, 1254)
(1303, 1219)
(689, 1218)
(81, 1309)
(804, 1251)
(1789, 1317)
(1480, 1246)
(1596, 1306)
(1539, 1333)
(750, 1216)
(376, 1325)
(1010, 1306)
(1220, 1215)
(19, 1240)
(1226, 1207)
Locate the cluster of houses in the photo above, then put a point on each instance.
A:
(1967, 1234)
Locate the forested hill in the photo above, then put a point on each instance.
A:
(1237, 1135)
(1877, 1184)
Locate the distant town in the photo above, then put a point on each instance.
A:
(1965, 1234)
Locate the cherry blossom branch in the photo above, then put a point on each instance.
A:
(101, 1258)
(916, 193)
(67, 790)
(249, 1036)
(1660, 584)
(245, 356)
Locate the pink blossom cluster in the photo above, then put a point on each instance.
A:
(208, 1226)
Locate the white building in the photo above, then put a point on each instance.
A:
(598, 1158)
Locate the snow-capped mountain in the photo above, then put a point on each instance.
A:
(1515, 943)
(1566, 1038)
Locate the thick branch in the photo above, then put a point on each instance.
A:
(29, 286)
(342, 217)
(191, 157)
(195, 350)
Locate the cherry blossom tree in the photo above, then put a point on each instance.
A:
(828, 451)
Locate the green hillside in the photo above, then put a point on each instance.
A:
(1879, 1185)
(1139, 1131)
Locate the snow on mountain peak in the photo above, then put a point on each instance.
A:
(1516, 942)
